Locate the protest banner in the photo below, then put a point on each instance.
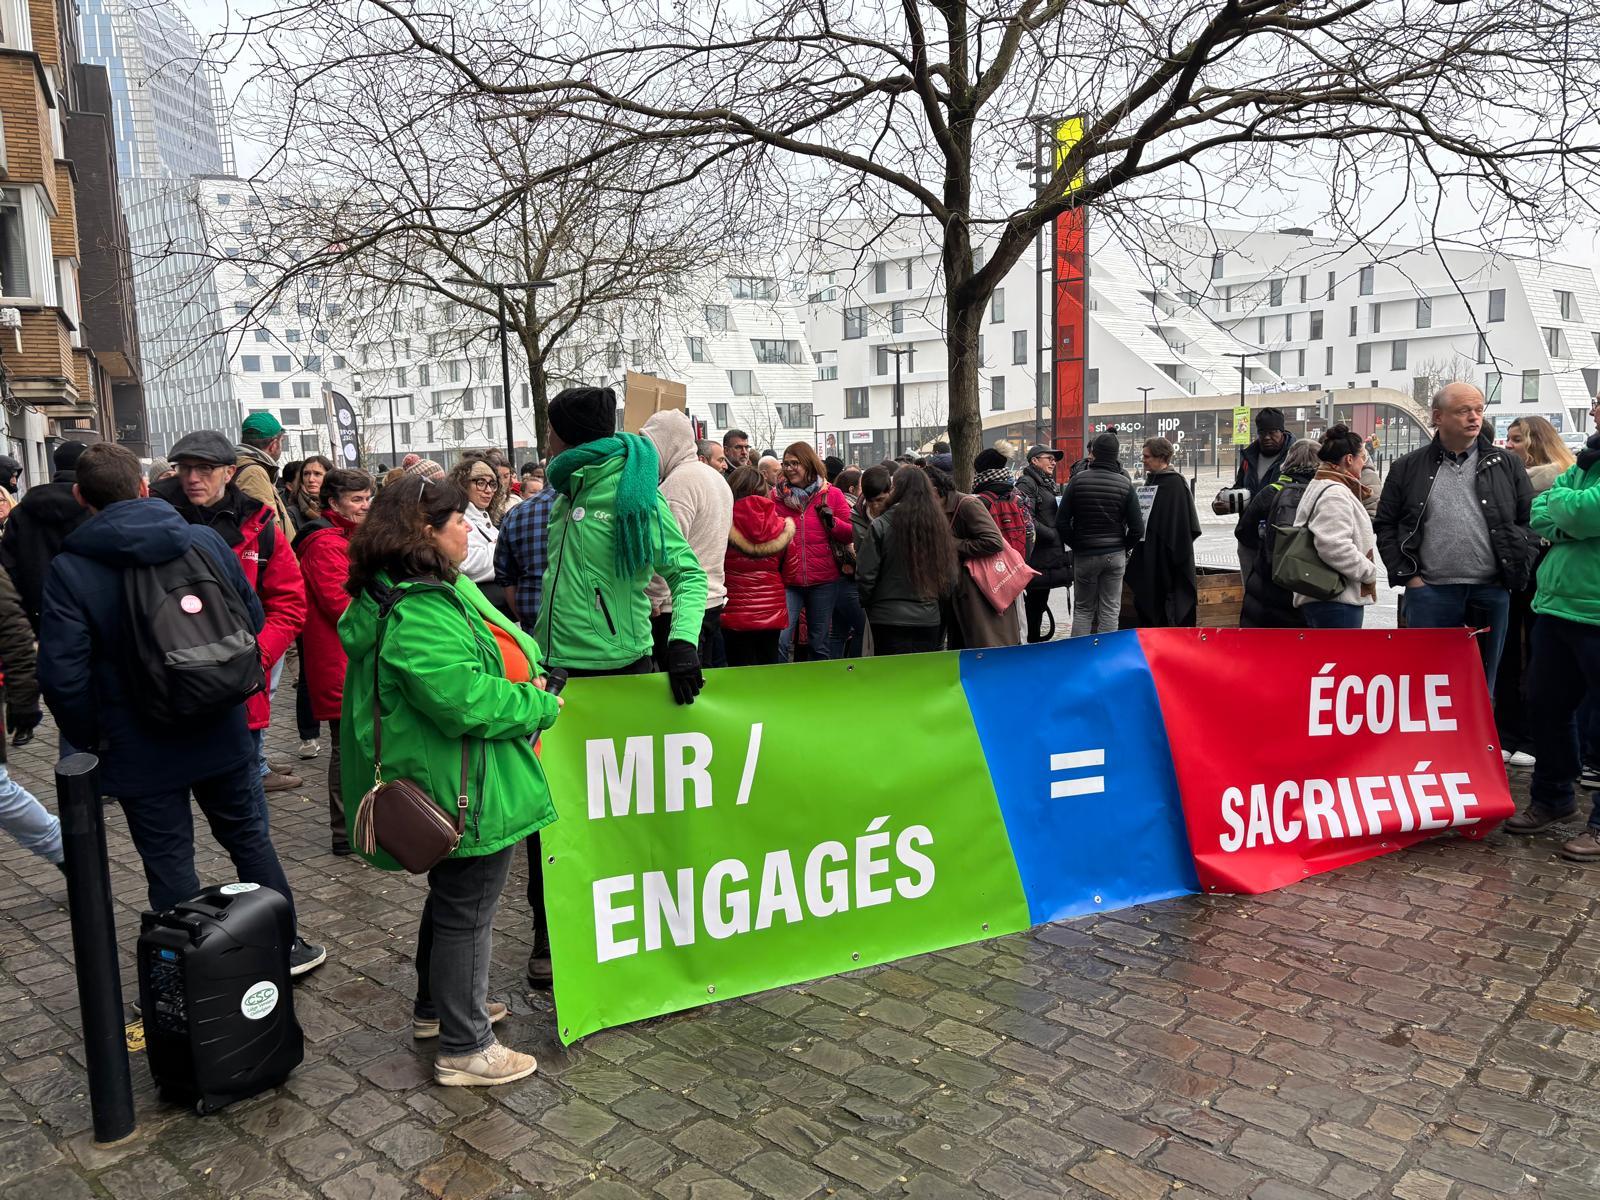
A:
(805, 820)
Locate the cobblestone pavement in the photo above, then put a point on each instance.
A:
(1420, 1026)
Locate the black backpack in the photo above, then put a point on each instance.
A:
(192, 652)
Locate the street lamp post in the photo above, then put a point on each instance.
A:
(899, 398)
(1243, 357)
(499, 290)
(394, 444)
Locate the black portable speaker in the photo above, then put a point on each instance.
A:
(214, 989)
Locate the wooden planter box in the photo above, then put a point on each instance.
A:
(1221, 593)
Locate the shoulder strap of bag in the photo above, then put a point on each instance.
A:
(386, 605)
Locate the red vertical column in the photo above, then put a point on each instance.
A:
(1070, 340)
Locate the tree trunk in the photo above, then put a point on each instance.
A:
(963, 322)
(538, 389)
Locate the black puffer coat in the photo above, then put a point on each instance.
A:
(1050, 557)
(1100, 510)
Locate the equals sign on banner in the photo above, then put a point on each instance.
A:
(1076, 762)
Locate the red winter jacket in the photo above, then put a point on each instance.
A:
(752, 565)
(808, 560)
(323, 547)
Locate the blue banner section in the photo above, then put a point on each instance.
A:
(1077, 749)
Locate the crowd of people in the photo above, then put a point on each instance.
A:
(434, 614)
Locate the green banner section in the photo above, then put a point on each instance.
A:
(794, 822)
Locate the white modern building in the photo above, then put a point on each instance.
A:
(1273, 315)
(1329, 313)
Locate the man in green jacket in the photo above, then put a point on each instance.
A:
(610, 533)
(1565, 665)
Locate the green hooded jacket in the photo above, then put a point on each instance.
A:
(1567, 515)
(442, 680)
(591, 619)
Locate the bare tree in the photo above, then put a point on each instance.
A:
(386, 182)
(918, 111)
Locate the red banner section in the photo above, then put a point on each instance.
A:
(1300, 751)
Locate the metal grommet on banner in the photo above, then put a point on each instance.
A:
(986, 927)
(1202, 637)
(855, 956)
(1097, 900)
(711, 989)
(551, 860)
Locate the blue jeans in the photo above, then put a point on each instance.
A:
(817, 601)
(1473, 605)
(1561, 672)
(260, 734)
(24, 818)
(162, 828)
(1332, 614)
(849, 621)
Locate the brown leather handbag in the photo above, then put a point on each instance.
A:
(399, 817)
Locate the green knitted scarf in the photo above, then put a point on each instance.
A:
(638, 526)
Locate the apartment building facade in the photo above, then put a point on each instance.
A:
(69, 367)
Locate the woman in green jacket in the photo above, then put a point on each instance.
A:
(452, 675)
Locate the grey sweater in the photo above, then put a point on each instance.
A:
(1455, 535)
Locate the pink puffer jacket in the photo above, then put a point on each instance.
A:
(808, 560)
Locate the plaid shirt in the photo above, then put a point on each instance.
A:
(523, 552)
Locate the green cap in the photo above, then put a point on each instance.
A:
(261, 424)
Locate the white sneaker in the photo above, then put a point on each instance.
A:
(309, 748)
(1505, 756)
(493, 1065)
(1520, 759)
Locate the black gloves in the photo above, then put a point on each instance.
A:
(683, 670)
(22, 726)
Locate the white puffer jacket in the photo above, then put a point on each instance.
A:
(1343, 533)
(478, 566)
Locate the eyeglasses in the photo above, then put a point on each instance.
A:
(791, 462)
(482, 481)
(199, 468)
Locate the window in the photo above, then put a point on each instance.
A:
(1217, 262)
(1288, 327)
(719, 416)
(303, 309)
(319, 416)
(289, 416)
(1364, 356)
(1316, 325)
(468, 400)
(856, 403)
(338, 362)
(1091, 387)
(1227, 299)
(1397, 356)
(1530, 387)
(1019, 346)
(717, 318)
(775, 350)
(997, 307)
(827, 364)
(743, 383)
(269, 391)
(911, 265)
(1328, 369)
(697, 350)
(636, 352)
(794, 416)
(1424, 312)
(897, 317)
(1491, 387)
(282, 362)
(1483, 349)
(300, 391)
(1300, 364)
(1497, 304)
(223, 199)
(400, 377)
(1261, 330)
(1555, 342)
(424, 375)
(880, 277)
(997, 392)
(1275, 362)
(753, 287)
(313, 362)
(240, 308)
(291, 335)
(250, 281)
(458, 429)
(1332, 278)
(1568, 305)
(1274, 293)
(230, 251)
(455, 364)
(1376, 318)
(855, 323)
(1369, 276)
(880, 360)
(1352, 320)
(1303, 279)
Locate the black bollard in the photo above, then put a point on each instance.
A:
(94, 946)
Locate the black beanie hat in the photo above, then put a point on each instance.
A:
(584, 414)
(989, 460)
(1105, 447)
(66, 455)
(1269, 420)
